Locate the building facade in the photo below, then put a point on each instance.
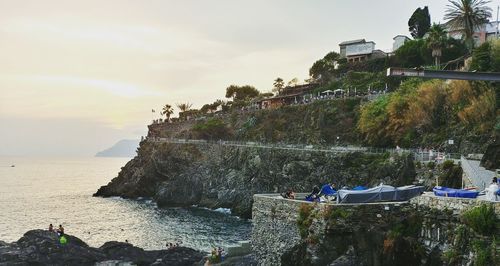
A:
(485, 32)
(359, 50)
(399, 41)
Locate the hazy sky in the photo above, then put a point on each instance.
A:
(77, 76)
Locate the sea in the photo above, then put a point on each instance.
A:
(35, 192)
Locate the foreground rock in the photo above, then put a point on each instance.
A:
(40, 247)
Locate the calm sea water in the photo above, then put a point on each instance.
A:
(39, 191)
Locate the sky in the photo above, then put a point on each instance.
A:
(78, 76)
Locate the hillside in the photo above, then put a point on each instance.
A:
(123, 148)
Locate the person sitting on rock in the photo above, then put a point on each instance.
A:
(51, 228)
(289, 194)
(60, 230)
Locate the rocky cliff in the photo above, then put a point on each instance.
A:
(491, 158)
(214, 175)
(40, 247)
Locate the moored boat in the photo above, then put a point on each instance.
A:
(454, 193)
(379, 193)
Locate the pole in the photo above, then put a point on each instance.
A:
(498, 9)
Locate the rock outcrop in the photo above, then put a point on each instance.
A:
(491, 158)
(220, 176)
(41, 247)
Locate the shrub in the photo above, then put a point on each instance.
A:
(481, 219)
(483, 253)
(211, 129)
(305, 219)
(447, 164)
(431, 165)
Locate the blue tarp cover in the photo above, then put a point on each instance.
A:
(455, 193)
(360, 188)
(328, 190)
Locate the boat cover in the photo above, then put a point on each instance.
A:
(455, 193)
(379, 193)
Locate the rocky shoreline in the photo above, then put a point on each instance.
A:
(41, 247)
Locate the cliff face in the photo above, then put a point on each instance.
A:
(317, 123)
(491, 158)
(214, 175)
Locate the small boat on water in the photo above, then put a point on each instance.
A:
(379, 193)
(454, 193)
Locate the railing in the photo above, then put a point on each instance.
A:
(420, 155)
(478, 177)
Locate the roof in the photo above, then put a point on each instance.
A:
(352, 42)
(399, 35)
(280, 97)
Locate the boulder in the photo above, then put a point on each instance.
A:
(41, 247)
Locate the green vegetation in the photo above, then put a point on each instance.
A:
(436, 41)
(315, 123)
(184, 107)
(484, 253)
(241, 93)
(305, 219)
(419, 22)
(486, 58)
(323, 70)
(332, 214)
(418, 52)
(167, 111)
(433, 107)
(212, 129)
(467, 16)
(451, 176)
(414, 113)
(278, 85)
(409, 227)
(482, 219)
(459, 246)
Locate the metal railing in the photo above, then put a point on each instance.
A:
(480, 178)
(419, 155)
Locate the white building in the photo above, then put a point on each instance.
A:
(486, 32)
(399, 40)
(359, 50)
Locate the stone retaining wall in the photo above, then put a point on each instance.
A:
(457, 205)
(275, 229)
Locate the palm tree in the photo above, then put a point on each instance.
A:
(184, 106)
(436, 41)
(167, 111)
(467, 16)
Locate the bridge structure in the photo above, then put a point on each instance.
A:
(443, 74)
